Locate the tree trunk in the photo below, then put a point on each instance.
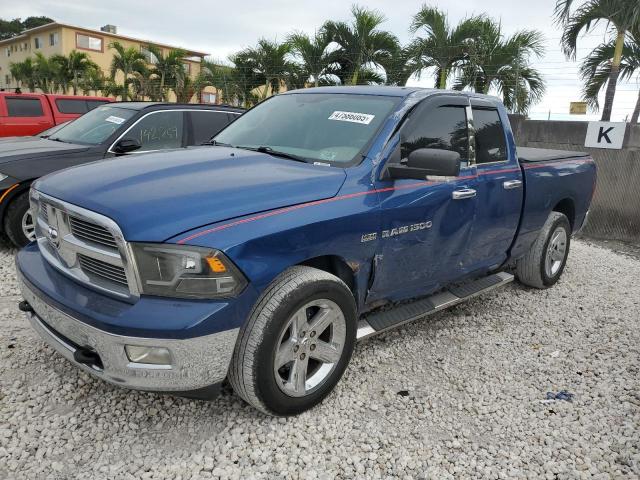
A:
(442, 83)
(354, 78)
(613, 77)
(636, 111)
(75, 83)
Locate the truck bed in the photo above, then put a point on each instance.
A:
(530, 155)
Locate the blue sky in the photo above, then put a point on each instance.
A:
(216, 28)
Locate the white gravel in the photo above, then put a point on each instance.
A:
(475, 380)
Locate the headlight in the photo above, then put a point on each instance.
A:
(185, 271)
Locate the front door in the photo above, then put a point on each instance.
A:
(426, 224)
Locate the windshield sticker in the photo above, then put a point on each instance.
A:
(114, 119)
(354, 117)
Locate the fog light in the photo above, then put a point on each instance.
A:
(153, 355)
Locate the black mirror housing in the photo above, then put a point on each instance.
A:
(127, 145)
(427, 161)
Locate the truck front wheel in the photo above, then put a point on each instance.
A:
(543, 265)
(297, 342)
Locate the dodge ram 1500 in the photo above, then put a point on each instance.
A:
(320, 217)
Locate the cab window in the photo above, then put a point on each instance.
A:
(159, 130)
(443, 127)
(490, 143)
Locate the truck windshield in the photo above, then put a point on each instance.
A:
(94, 127)
(319, 127)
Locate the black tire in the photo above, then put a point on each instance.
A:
(531, 269)
(16, 210)
(251, 373)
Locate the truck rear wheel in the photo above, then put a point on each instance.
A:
(543, 265)
(19, 224)
(296, 344)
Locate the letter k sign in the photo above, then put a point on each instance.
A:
(605, 135)
(602, 134)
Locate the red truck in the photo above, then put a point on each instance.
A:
(23, 114)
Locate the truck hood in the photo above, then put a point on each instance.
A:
(20, 148)
(153, 197)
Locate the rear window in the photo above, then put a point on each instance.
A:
(76, 105)
(490, 143)
(205, 124)
(24, 107)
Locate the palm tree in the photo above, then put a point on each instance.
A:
(596, 69)
(496, 62)
(44, 73)
(361, 43)
(92, 81)
(443, 47)
(269, 60)
(71, 69)
(620, 15)
(312, 51)
(166, 67)
(400, 67)
(127, 61)
(24, 73)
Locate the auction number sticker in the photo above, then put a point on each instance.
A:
(363, 118)
(114, 119)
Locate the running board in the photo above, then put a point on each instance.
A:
(381, 321)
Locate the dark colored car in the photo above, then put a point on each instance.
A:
(107, 131)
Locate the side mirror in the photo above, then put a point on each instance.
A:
(126, 145)
(427, 161)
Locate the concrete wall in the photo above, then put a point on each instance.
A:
(615, 210)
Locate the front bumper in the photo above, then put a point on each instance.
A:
(197, 363)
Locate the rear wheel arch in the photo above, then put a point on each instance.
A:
(568, 209)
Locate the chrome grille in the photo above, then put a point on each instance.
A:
(103, 269)
(84, 245)
(91, 232)
(44, 213)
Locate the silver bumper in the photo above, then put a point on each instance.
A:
(197, 363)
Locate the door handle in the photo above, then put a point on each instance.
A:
(463, 193)
(511, 184)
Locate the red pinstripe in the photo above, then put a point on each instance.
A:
(338, 198)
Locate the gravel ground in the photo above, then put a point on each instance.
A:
(461, 395)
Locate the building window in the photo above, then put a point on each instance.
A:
(54, 39)
(37, 42)
(151, 58)
(88, 42)
(7, 80)
(187, 68)
(8, 51)
(208, 97)
(26, 46)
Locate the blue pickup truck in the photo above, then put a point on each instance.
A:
(320, 217)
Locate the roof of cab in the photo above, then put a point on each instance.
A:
(361, 90)
(198, 106)
(389, 91)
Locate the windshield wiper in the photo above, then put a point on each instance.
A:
(54, 139)
(216, 143)
(275, 153)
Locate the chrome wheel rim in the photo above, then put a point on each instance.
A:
(28, 226)
(556, 251)
(309, 348)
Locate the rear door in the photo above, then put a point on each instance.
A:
(25, 115)
(500, 187)
(204, 124)
(426, 224)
